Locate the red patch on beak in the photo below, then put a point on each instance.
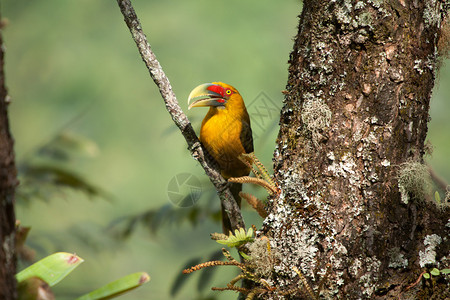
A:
(217, 89)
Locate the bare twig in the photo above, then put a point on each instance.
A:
(439, 181)
(180, 119)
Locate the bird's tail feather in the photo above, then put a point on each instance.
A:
(235, 188)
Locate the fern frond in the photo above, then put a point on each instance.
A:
(262, 169)
(236, 279)
(255, 203)
(232, 288)
(218, 236)
(271, 189)
(239, 238)
(305, 283)
(212, 264)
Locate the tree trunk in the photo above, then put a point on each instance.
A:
(352, 130)
(8, 182)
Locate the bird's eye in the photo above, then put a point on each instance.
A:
(228, 92)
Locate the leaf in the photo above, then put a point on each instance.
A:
(239, 238)
(445, 271)
(118, 287)
(60, 177)
(52, 269)
(435, 272)
(437, 197)
(180, 280)
(426, 275)
(65, 144)
(164, 216)
(245, 256)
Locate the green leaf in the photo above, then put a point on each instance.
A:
(60, 177)
(239, 238)
(434, 272)
(437, 197)
(245, 256)
(52, 269)
(64, 145)
(426, 275)
(445, 271)
(118, 287)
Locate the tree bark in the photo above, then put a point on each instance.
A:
(8, 182)
(354, 117)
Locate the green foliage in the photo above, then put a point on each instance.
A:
(118, 287)
(442, 204)
(55, 267)
(43, 172)
(181, 279)
(436, 272)
(165, 216)
(52, 269)
(437, 198)
(66, 145)
(206, 275)
(239, 238)
(72, 68)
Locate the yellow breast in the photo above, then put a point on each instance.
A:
(221, 134)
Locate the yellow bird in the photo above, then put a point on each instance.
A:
(225, 132)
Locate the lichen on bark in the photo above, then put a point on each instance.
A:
(369, 68)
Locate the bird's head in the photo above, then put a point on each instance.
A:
(217, 95)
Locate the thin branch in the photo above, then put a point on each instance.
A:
(178, 116)
(439, 181)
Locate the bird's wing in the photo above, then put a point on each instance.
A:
(247, 137)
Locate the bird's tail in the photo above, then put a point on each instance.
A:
(235, 188)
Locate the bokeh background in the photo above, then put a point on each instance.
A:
(73, 70)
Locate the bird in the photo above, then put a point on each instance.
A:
(225, 133)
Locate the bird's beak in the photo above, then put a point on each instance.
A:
(207, 94)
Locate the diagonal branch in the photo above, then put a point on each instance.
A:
(178, 116)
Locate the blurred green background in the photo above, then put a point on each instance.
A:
(72, 67)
